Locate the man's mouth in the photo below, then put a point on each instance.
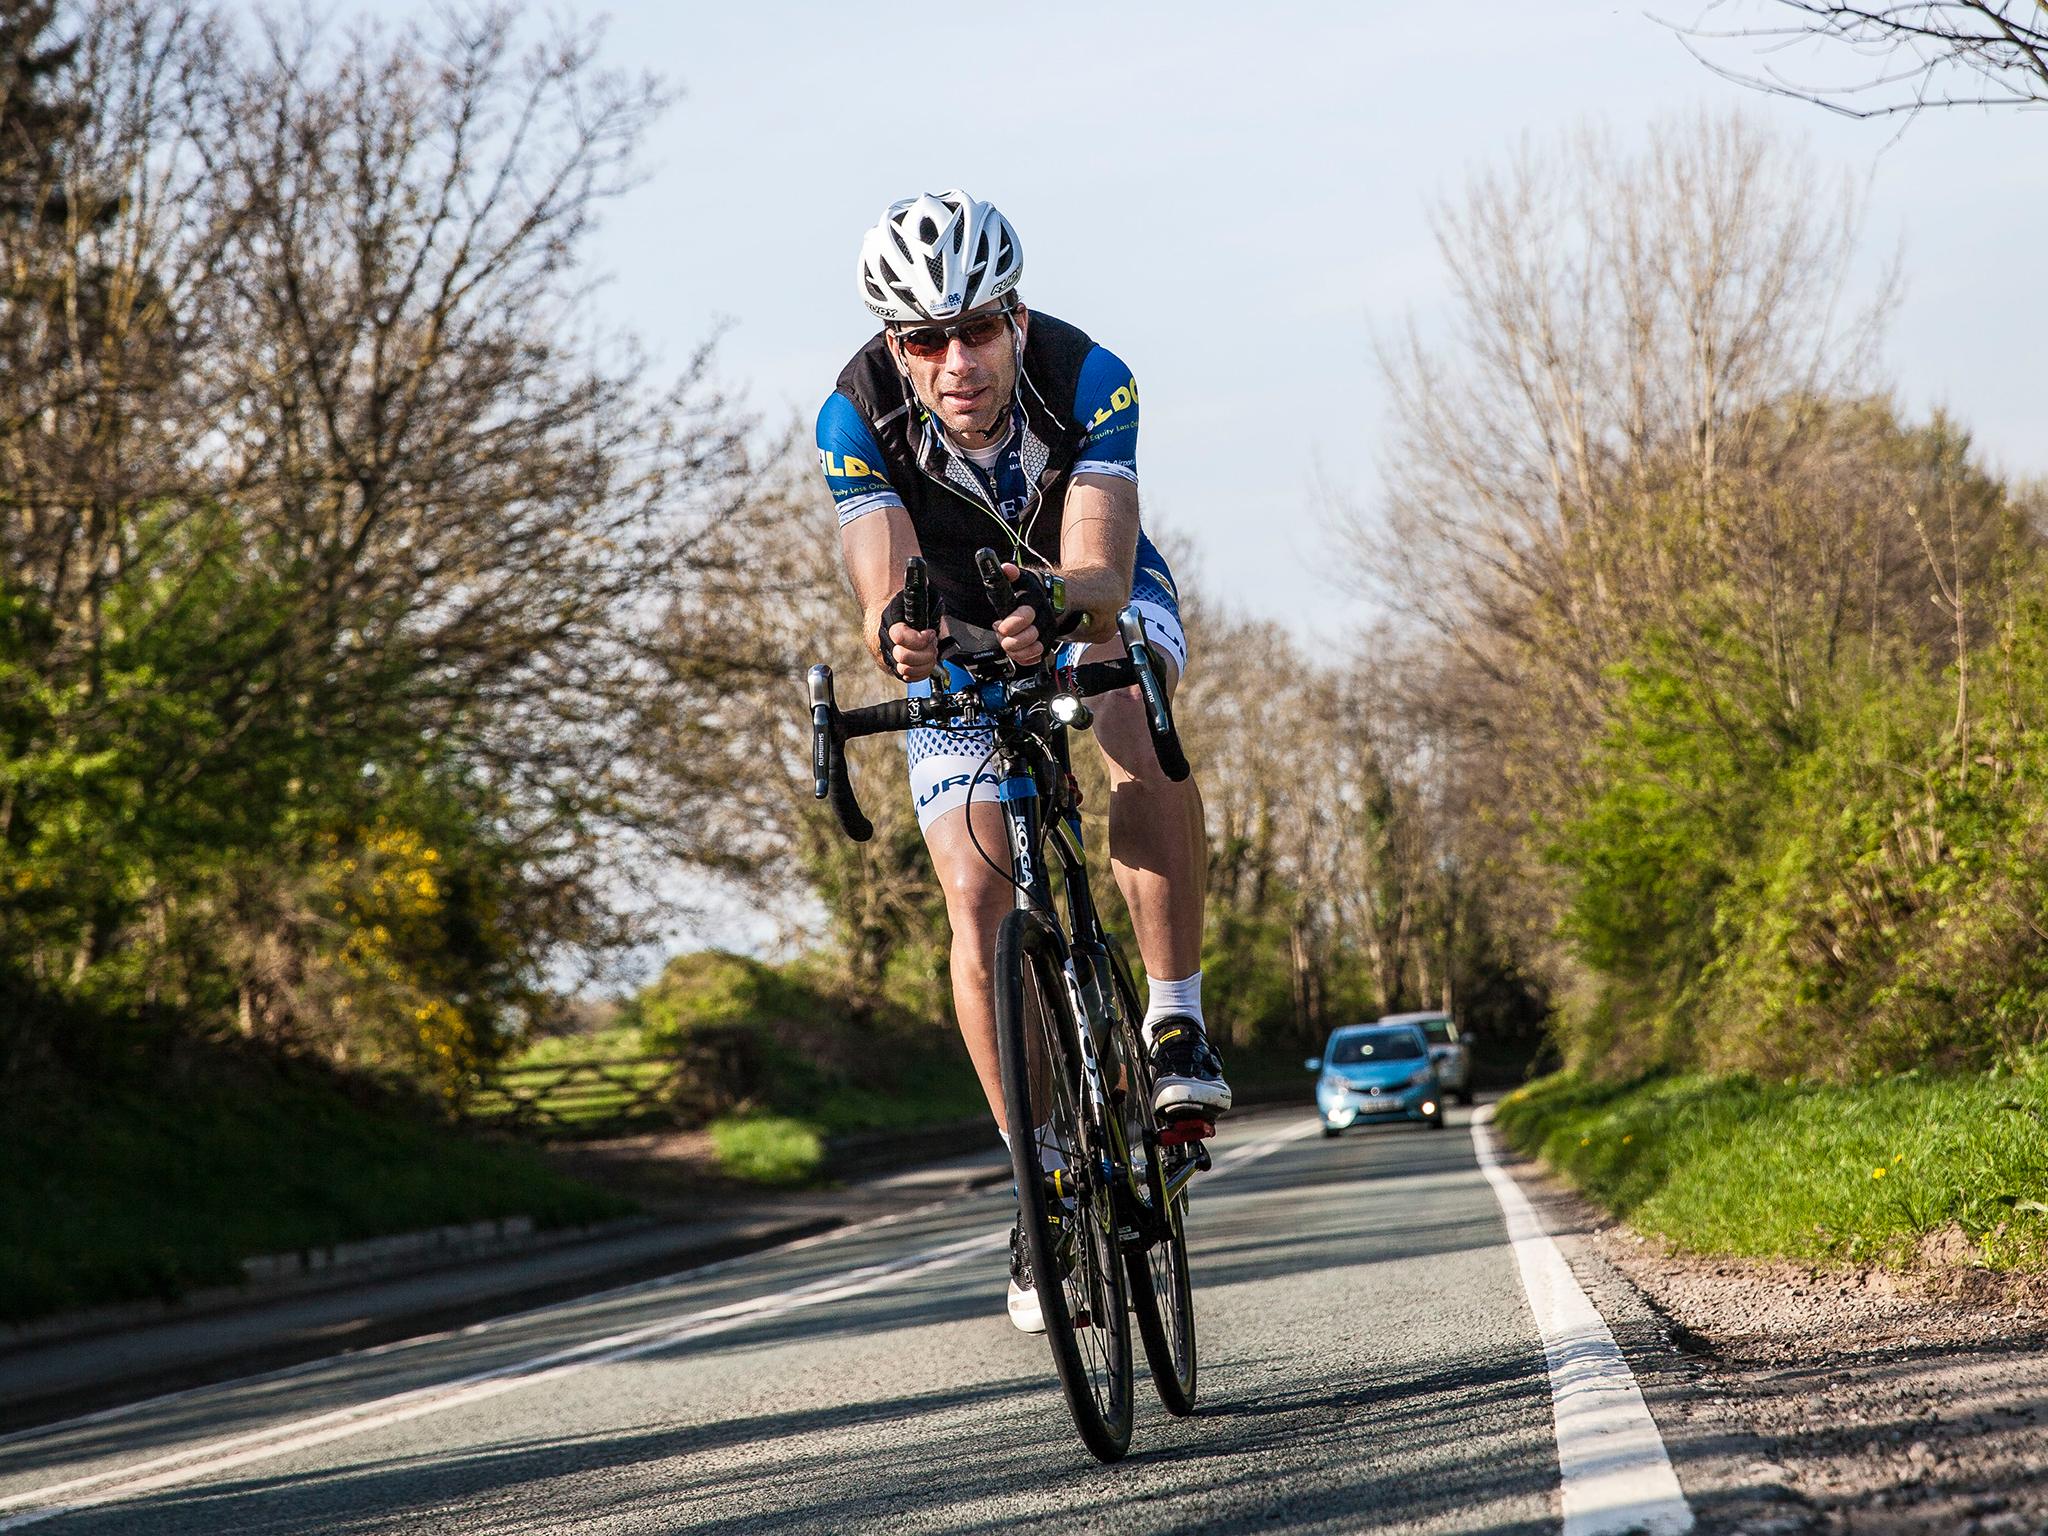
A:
(963, 399)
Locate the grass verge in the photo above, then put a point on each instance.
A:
(147, 1189)
(767, 1149)
(1884, 1172)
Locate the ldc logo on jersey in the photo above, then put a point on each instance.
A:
(849, 468)
(1125, 397)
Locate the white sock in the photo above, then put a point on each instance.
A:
(1049, 1154)
(1165, 999)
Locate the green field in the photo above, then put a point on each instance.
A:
(151, 1188)
(1877, 1172)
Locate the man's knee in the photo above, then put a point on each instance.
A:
(1125, 736)
(976, 902)
(1121, 729)
(977, 893)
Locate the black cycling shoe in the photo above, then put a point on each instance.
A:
(1187, 1073)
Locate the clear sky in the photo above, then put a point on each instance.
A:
(1234, 199)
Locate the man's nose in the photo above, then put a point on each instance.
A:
(957, 355)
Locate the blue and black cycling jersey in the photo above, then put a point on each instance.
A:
(1105, 407)
(1075, 412)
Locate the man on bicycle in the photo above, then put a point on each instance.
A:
(968, 422)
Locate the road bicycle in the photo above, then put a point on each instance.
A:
(1102, 1187)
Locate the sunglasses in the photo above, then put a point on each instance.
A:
(931, 341)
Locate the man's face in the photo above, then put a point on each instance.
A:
(967, 387)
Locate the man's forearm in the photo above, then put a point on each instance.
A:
(1098, 551)
(1098, 591)
(875, 548)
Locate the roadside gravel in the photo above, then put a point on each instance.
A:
(1801, 1399)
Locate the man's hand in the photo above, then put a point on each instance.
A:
(916, 651)
(912, 654)
(1027, 631)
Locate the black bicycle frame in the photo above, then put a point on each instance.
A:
(1085, 964)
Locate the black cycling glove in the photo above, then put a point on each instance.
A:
(896, 614)
(1033, 593)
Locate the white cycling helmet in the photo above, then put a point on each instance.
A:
(937, 256)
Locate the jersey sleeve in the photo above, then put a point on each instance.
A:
(852, 462)
(1106, 403)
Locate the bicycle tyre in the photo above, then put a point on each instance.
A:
(1094, 1359)
(1162, 1291)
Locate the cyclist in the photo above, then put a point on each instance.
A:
(969, 422)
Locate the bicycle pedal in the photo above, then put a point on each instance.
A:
(1186, 1128)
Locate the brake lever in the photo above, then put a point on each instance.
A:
(829, 780)
(917, 595)
(822, 707)
(1158, 714)
(1001, 595)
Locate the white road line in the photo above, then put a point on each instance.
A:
(1616, 1477)
(690, 1274)
(1251, 1152)
(225, 1455)
(194, 1462)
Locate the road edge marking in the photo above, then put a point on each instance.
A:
(1615, 1476)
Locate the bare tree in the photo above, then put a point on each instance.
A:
(1932, 53)
(1641, 341)
(1649, 482)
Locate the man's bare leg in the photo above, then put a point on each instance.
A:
(1158, 846)
(977, 897)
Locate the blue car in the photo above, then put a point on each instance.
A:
(1377, 1072)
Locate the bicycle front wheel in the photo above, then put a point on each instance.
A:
(1162, 1295)
(1067, 1214)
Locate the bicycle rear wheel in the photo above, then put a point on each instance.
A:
(1069, 1224)
(1162, 1294)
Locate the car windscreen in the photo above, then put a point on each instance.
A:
(1374, 1045)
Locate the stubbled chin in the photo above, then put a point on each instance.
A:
(972, 423)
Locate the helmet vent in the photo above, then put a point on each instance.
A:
(981, 250)
(931, 265)
(927, 230)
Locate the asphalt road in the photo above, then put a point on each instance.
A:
(1369, 1361)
